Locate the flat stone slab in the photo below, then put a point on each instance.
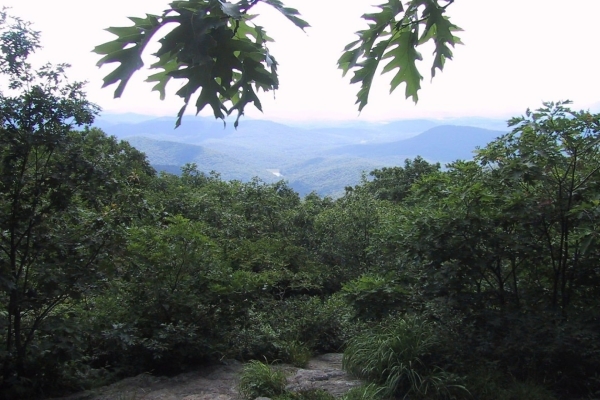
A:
(219, 382)
(323, 372)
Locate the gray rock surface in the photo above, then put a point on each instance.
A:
(323, 372)
(219, 382)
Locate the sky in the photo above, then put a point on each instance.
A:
(516, 54)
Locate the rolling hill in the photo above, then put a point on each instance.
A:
(443, 143)
(324, 159)
(170, 156)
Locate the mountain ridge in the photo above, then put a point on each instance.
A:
(318, 159)
(443, 143)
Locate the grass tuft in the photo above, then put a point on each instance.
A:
(296, 353)
(398, 356)
(365, 392)
(261, 380)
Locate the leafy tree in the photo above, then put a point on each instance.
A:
(551, 164)
(217, 268)
(394, 183)
(345, 231)
(61, 205)
(216, 49)
(501, 250)
(305, 220)
(168, 309)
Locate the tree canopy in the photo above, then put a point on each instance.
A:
(216, 49)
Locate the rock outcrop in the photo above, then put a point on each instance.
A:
(219, 382)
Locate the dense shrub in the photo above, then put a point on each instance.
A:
(261, 380)
(289, 330)
(401, 356)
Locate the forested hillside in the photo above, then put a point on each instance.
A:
(476, 281)
(320, 159)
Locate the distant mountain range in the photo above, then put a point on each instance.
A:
(443, 143)
(312, 157)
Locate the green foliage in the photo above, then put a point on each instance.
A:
(261, 380)
(496, 250)
(346, 231)
(489, 383)
(218, 269)
(107, 270)
(525, 390)
(529, 196)
(296, 353)
(394, 183)
(19, 41)
(554, 158)
(368, 391)
(167, 308)
(374, 296)
(215, 48)
(66, 198)
(290, 330)
(310, 394)
(400, 356)
(394, 32)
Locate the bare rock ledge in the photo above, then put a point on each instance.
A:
(219, 382)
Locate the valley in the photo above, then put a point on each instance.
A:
(324, 158)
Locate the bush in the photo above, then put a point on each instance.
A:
(260, 380)
(365, 392)
(296, 353)
(373, 297)
(400, 356)
(322, 325)
(311, 394)
(489, 383)
(290, 330)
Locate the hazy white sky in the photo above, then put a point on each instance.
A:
(517, 53)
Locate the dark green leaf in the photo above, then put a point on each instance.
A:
(231, 9)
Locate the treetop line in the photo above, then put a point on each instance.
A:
(218, 50)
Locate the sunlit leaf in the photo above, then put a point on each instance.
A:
(393, 32)
(404, 57)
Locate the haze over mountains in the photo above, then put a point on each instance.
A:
(312, 157)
